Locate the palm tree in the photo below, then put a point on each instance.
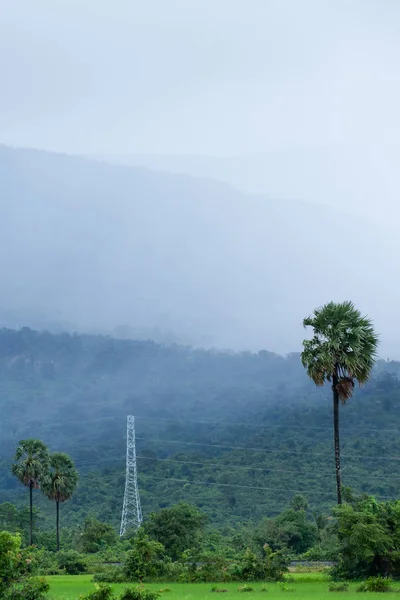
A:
(60, 483)
(30, 464)
(341, 351)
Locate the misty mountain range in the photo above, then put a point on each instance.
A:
(95, 246)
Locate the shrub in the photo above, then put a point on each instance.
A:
(204, 567)
(139, 593)
(145, 559)
(16, 568)
(375, 584)
(102, 592)
(73, 562)
(338, 587)
(283, 586)
(33, 588)
(245, 588)
(218, 590)
(109, 574)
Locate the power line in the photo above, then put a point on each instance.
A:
(258, 425)
(219, 423)
(256, 468)
(260, 450)
(230, 485)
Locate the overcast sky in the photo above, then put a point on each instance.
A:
(210, 77)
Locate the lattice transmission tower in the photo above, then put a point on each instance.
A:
(131, 511)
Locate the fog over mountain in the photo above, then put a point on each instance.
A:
(101, 246)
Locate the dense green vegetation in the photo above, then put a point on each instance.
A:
(278, 420)
(235, 434)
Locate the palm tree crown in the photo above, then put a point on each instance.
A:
(31, 460)
(61, 479)
(343, 347)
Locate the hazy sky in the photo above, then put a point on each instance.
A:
(199, 76)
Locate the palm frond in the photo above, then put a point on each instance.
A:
(61, 479)
(344, 344)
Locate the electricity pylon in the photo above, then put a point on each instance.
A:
(131, 511)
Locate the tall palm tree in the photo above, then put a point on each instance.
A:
(60, 483)
(30, 464)
(341, 351)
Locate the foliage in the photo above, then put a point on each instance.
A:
(338, 587)
(16, 568)
(201, 566)
(284, 587)
(61, 479)
(101, 592)
(60, 482)
(139, 593)
(33, 588)
(144, 560)
(368, 534)
(256, 567)
(245, 588)
(30, 462)
(110, 574)
(376, 584)
(344, 343)
(178, 528)
(271, 405)
(30, 465)
(72, 562)
(96, 536)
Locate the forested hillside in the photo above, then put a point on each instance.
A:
(237, 434)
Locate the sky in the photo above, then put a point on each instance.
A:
(201, 77)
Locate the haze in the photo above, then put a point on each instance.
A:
(295, 101)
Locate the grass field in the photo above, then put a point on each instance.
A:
(305, 587)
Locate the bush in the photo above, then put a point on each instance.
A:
(32, 589)
(72, 562)
(338, 587)
(102, 592)
(204, 567)
(218, 590)
(108, 574)
(16, 568)
(245, 588)
(375, 584)
(254, 567)
(284, 587)
(145, 559)
(139, 593)
(46, 562)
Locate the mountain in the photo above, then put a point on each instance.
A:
(237, 434)
(358, 179)
(90, 246)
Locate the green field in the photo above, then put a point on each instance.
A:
(309, 586)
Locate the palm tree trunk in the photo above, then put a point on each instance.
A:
(31, 513)
(58, 525)
(336, 438)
